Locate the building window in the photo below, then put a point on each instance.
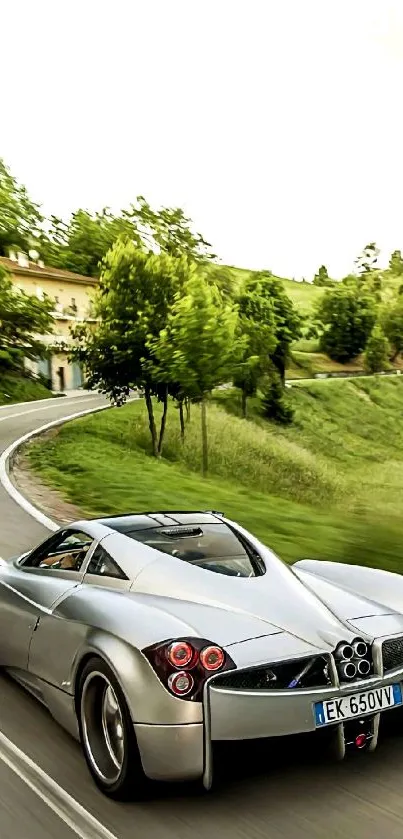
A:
(73, 304)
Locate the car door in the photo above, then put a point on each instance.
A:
(32, 585)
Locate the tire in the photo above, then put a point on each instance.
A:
(107, 734)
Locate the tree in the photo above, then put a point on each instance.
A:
(222, 277)
(197, 349)
(322, 277)
(81, 244)
(368, 259)
(135, 296)
(396, 263)
(273, 403)
(169, 230)
(257, 324)
(392, 324)
(288, 322)
(377, 351)
(23, 318)
(346, 314)
(20, 218)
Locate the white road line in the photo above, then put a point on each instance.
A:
(53, 399)
(79, 400)
(76, 817)
(9, 487)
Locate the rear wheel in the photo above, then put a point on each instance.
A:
(107, 734)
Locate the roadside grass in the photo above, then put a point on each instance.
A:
(327, 487)
(19, 388)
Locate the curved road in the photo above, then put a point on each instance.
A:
(268, 796)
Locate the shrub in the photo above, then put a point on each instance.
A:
(274, 405)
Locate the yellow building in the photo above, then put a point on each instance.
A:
(72, 294)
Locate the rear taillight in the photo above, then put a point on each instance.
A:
(212, 658)
(184, 664)
(180, 683)
(181, 654)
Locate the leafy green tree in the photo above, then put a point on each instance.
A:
(222, 277)
(169, 230)
(82, 243)
(396, 263)
(322, 277)
(23, 317)
(257, 325)
(368, 259)
(20, 218)
(377, 351)
(392, 324)
(197, 348)
(346, 314)
(135, 296)
(288, 322)
(273, 402)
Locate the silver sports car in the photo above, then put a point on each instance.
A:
(150, 637)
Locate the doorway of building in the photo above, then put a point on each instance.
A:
(76, 375)
(60, 376)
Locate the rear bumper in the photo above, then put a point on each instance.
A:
(242, 715)
(185, 752)
(247, 715)
(171, 752)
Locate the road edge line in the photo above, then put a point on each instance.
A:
(5, 457)
(77, 818)
(56, 400)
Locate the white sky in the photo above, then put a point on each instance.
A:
(276, 124)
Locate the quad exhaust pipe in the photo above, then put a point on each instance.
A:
(348, 670)
(363, 667)
(351, 660)
(360, 649)
(344, 652)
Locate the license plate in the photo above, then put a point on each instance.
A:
(358, 704)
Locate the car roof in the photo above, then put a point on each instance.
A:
(130, 522)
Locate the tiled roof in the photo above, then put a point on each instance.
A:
(46, 273)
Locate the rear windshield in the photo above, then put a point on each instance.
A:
(211, 546)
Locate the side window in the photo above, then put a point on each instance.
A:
(65, 551)
(103, 565)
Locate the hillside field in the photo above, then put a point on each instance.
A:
(17, 388)
(303, 295)
(306, 360)
(329, 486)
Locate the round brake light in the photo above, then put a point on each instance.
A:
(212, 658)
(181, 654)
(180, 683)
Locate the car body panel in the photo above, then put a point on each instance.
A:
(269, 599)
(53, 621)
(381, 587)
(25, 598)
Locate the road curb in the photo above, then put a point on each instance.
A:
(11, 451)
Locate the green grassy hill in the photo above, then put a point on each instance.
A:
(306, 360)
(304, 295)
(19, 388)
(329, 486)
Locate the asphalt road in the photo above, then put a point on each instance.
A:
(275, 796)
